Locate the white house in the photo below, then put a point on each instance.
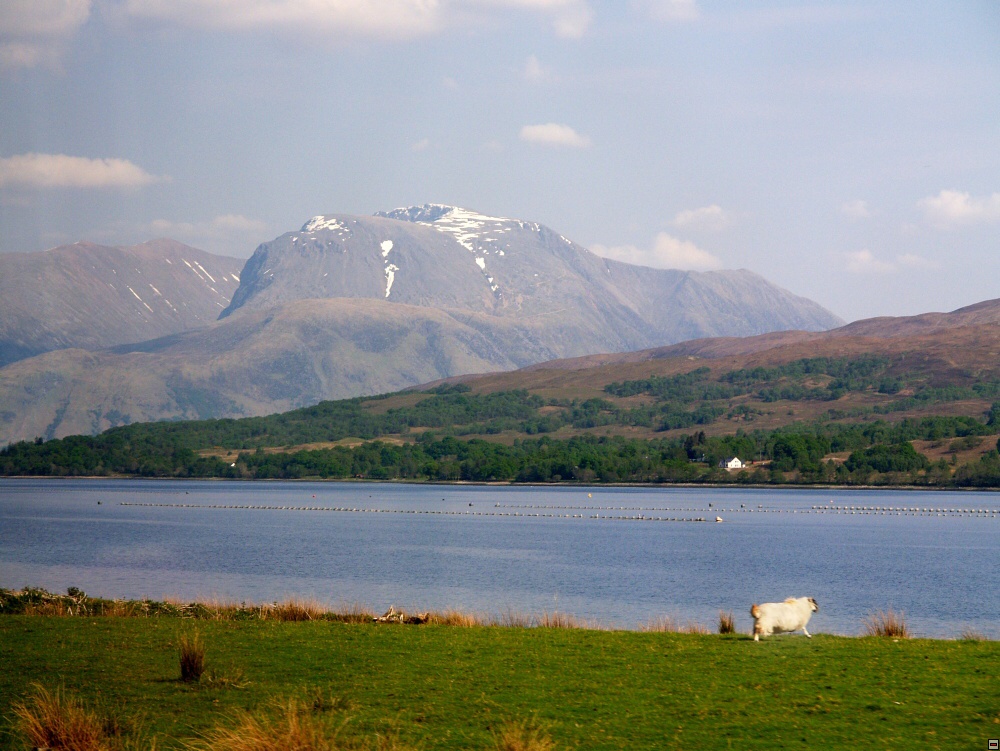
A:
(732, 462)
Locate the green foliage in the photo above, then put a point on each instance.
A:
(900, 457)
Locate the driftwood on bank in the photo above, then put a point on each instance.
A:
(398, 616)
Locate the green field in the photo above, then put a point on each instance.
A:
(442, 687)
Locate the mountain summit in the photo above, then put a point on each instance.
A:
(572, 301)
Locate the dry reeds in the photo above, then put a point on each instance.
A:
(557, 620)
(727, 622)
(971, 634)
(526, 735)
(297, 727)
(353, 612)
(886, 623)
(294, 610)
(512, 619)
(667, 624)
(58, 721)
(456, 618)
(192, 657)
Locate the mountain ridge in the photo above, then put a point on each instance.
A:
(93, 296)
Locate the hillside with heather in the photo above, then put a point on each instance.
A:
(913, 401)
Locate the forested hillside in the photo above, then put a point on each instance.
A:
(870, 423)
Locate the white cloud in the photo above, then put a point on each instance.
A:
(394, 19)
(952, 208)
(856, 209)
(865, 262)
(35, 32)
(669, 10)
(667, 252)
(388, 18)
(711, 218)
(228, 233)
(554, 134)
(61, 171)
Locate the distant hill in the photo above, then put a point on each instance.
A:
(258, 362)
(853, 337)
(913, 402)
(94, 296)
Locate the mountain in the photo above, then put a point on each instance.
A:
(93, 296)
(255, 363)
(454, 259)
(351, 306)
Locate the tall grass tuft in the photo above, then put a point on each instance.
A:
(971, 634)
(526, 735)
(557, 620)
(353, 612)
(886, 623)
(512, 619)
(192, 656)
(456, 618)
(666, 624)
(297, 727)
(58, 721)
(296, 610)
(727, 623)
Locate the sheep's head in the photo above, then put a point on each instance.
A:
(812, 604)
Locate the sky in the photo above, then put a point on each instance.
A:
(846, 151)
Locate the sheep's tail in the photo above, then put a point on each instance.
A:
(755, 610)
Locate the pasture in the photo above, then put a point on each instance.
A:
(451, 687)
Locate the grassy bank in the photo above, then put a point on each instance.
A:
(435, 686)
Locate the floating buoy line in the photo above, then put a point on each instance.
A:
(616, 513)
(358, 510)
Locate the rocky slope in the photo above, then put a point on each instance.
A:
(93, 296)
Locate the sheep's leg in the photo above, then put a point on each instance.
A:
(806, 632)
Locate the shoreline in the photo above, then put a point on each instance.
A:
(512, 484)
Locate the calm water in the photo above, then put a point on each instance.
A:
(441, 547)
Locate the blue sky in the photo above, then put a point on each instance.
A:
(849, 152)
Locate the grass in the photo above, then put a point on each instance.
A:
(524, 735)
(435, 687)
(727, 622)
(667, 624)
(294, 727)
(192, 657)
(971, 634)
(58, 721)
(886, 624)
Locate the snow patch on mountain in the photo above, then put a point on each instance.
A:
(478, 233)
(318, 223)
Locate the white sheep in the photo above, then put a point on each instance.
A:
(780, 617)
